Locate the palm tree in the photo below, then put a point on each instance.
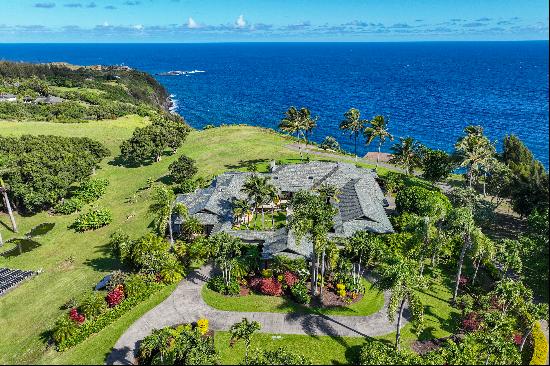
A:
(461, 222)
(162, 208)
(258, 189)
(407, 154)
(307, 122)
(328, 192)
(378, 129)
(475, 152)
(244, 330)
(401, 278)
(273, 194)
(241, 208)
(484, 249)
(192, 227)
(354, 124)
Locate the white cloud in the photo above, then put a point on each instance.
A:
(106, 24)
(138, 27)
(240, 22)
(192, 24)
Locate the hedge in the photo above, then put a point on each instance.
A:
(92, 326)
(540, 346)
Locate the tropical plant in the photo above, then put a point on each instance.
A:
(401, 277)
(312, 218)
(408, 154)
(241, 211)
(279, 356)
(354, 125)
(244, 330)
(92, 220)
(474, 152)
(330, 143)
(377, 129)
(484, 250)
(93, 305)
(162, 208)
(225, 248)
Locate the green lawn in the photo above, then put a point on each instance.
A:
(372, 301)
(279, 219)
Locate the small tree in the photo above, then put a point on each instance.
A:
(244, 330)
(401, 278)
(162, 208)
(436, 165)
(224, 249)
(182, 169)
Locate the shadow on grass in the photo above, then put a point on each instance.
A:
(41, 229)
(104, 264)
(20, 246)
(248, 165)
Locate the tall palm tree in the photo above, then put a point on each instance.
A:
(307, 122)
(401, 278)
(354, 124)
(377, 129)
(241, 208)
(461, 222)
(273, 195)
(291, 124)
(475, 152)
(258, 189)
(407, 154)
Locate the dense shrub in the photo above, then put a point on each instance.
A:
(377, 353)
(290, 278)
(540, 346)
(270, 287)
(68, 206)
(93, 305)
(183, 169)
(330, 143)
(91, 190)
(92, 220)
(217, 284)
(393, 182)
(45, 167)
(300, 293)
(76, 317)
(180, 345)
(117, 278)
(422, 202)
(280, 356)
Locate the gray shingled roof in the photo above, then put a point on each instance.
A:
(360, 206)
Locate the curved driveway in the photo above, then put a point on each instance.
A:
(185, 305)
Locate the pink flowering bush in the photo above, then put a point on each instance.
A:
(290, 278)
(115, 296)
(75, 316)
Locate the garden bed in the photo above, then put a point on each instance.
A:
(368, 303)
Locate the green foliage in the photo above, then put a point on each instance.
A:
(93, 305)
(183, 169)
(64, 329)
(422, 202)
(300, 293)
(172, 271)
(219, 285)
(280, 356)
(436, 165)
(330, 143)
(147, 144)
(42, 168)
(149, 253)
(467, 197)
(377, 353)
(177, 346)
(408, 154)
(92, 220)
(68, 206)
(540, 346)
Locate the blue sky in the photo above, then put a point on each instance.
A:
(270, 20)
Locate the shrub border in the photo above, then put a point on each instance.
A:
(540, 346)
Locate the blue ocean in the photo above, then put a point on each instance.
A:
(429, 90)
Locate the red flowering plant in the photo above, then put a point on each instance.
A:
(517, 338)
(76, 317)
(290, 278)
(115, 296)
(270, 287)
(463, 281)
(471, 322)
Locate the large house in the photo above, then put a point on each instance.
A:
(360, 204)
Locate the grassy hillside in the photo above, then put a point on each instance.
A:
(74, 262)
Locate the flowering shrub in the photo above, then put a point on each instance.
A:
(341, 289)
(270, 287)
(471, 322)
(517, 338)
(300, 293)
(76, 316)
(290, 278)
(202, 324)
(540, 346)
(115, 296)
(462, 281)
